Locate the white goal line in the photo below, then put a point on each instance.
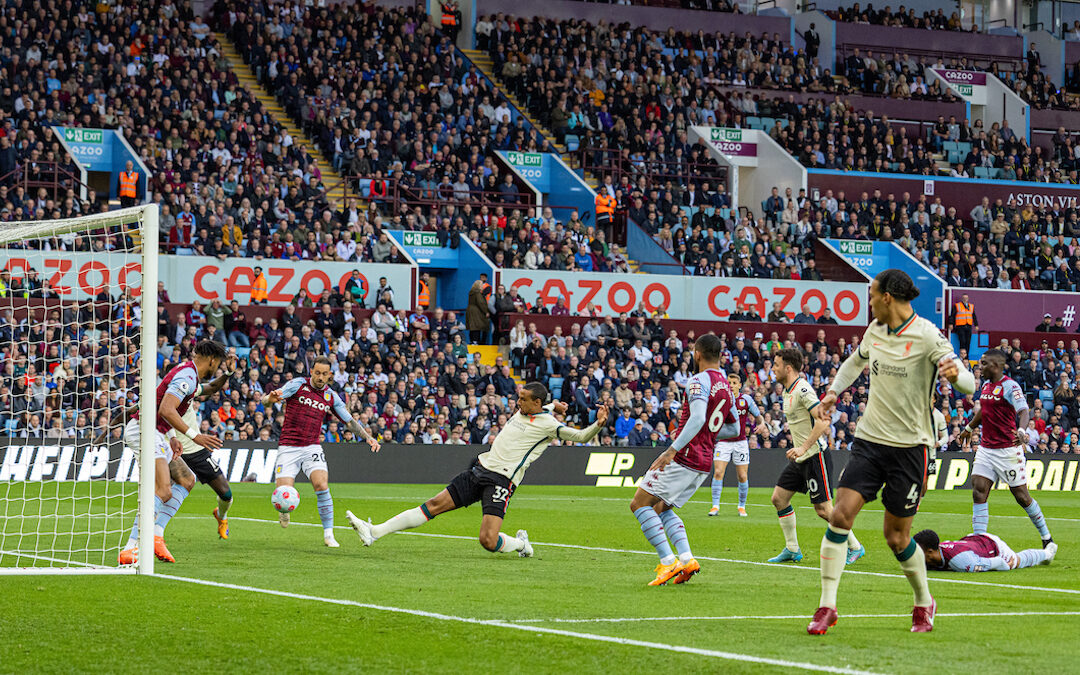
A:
(845, 617)
(785, 566)
(496, 623)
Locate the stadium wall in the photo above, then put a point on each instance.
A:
(46, 461)
(1021, 311)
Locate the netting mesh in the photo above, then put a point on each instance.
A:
(70, 323)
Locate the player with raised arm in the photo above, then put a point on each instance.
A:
(809, 469)
(174, 395)
(307, 403)
(979, 553)
(494, 475)
(736, 449)
(708, 411)
(905, 354)
(1001, 449)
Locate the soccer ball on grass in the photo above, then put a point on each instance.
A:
(285, 498)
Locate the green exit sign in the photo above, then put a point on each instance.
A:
(525, 158)
(721, 134)
(421, 239)
(83, 135)
(857, 247)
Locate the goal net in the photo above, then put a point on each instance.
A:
(78, 345)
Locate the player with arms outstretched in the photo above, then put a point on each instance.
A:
(736, 449)
(307, 403)
(905, 354)
(979, 553)
(1004, 441)
(494, 475)
(708, 411)
(809, 469)
(174, 395)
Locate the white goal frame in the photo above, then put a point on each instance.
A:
(147, 216)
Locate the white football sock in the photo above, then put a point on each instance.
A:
(508, 544)
(406, 520)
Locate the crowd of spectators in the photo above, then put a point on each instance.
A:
(230, 180)
(410, 376)
(388, 99)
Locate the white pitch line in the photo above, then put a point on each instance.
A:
(727, 656)
(786, 566)
(783, 617)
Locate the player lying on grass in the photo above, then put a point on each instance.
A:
(174, 395)
(494, 475)
(736, 449)
(307, 403)
(1001, 449)
(979, 553)
(194, 462)
(708, 411)
(809, 469)
(905, 354)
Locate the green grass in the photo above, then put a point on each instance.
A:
(108, 624)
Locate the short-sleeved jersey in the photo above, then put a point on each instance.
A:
(941, 430)
(306, 409)
(183, 383)
(746, 410)
(524, 439)
(800, 400)
(979, 544)
(999, 403)
(903, 373)
(712, 387)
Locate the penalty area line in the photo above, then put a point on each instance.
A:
(727, 656)
(786, 566)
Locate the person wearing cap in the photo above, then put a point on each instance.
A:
(1046, 324)
(963, 322)
(1058, 327)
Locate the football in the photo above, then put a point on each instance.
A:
(285, 498)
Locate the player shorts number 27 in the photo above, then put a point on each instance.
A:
(736, 452)
(291, 460)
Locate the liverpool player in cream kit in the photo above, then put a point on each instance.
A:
(494, 475)
(1001, 449)
(307, 403)
(708, 411)
(810, 467)
(905, 354)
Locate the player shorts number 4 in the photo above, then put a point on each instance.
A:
(675, 485)
(291, 460)
(1005, 464)
(902, 472)
(735, 452)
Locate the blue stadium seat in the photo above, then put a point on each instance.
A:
(572, 142)
(982, 172)
(555, 385)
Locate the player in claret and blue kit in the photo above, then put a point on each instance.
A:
(1001, 451)
(308, 402)
(708, 411)
(979, 553)
(737, 449)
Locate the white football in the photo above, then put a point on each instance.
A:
(285, 498)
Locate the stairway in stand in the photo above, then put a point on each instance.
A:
(484, 355)
(332, 180)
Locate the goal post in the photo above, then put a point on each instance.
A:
(78, 345)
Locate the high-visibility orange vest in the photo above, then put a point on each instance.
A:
(258, 289)
(965, 314)
(424, 297)
(448, 17)
(605, 203)
(128, 183)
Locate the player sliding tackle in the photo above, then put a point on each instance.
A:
(905, 354)
(494, 475)
(810, 467)
(308, 402)
(979, 553)
(174, 395)
(708, 411)
(1001, 450)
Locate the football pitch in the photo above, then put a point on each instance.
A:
(432, 600)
